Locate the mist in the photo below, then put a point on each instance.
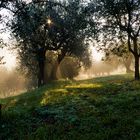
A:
(103, 68)
(11, 82)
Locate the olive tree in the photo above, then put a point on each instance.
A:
(121, 18)
(42, 26)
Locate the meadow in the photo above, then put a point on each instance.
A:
(106, 108)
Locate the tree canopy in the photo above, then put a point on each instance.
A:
(65, 32)
(121, 20)
(66, 27)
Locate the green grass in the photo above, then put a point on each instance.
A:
(106, 108)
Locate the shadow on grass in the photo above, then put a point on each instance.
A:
(70, 109)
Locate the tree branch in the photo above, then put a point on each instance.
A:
(138, 31)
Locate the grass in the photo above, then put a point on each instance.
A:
(106, 108)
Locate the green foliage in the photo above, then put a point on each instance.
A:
(66, 33)
(70, 67)
(120, 23)
(98, 109)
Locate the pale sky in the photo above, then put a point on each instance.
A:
(9, 58)
(9, 55)
(97, 56)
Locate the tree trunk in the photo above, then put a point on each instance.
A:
(137, 76)
(41, 65)
(60, 57)
(41, 80)
(136, 56)
(53, 75)
(127, 63)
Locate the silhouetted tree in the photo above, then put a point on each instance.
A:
(121, 20)
(44, 26)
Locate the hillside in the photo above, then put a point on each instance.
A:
(106, 108)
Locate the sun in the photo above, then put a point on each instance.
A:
(49, 21)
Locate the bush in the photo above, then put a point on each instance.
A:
(70, 67)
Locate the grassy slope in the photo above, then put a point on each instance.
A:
(98, 109)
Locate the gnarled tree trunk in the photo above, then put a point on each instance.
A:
(53, 75)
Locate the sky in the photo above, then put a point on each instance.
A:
(9, 56)
(97, 56)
